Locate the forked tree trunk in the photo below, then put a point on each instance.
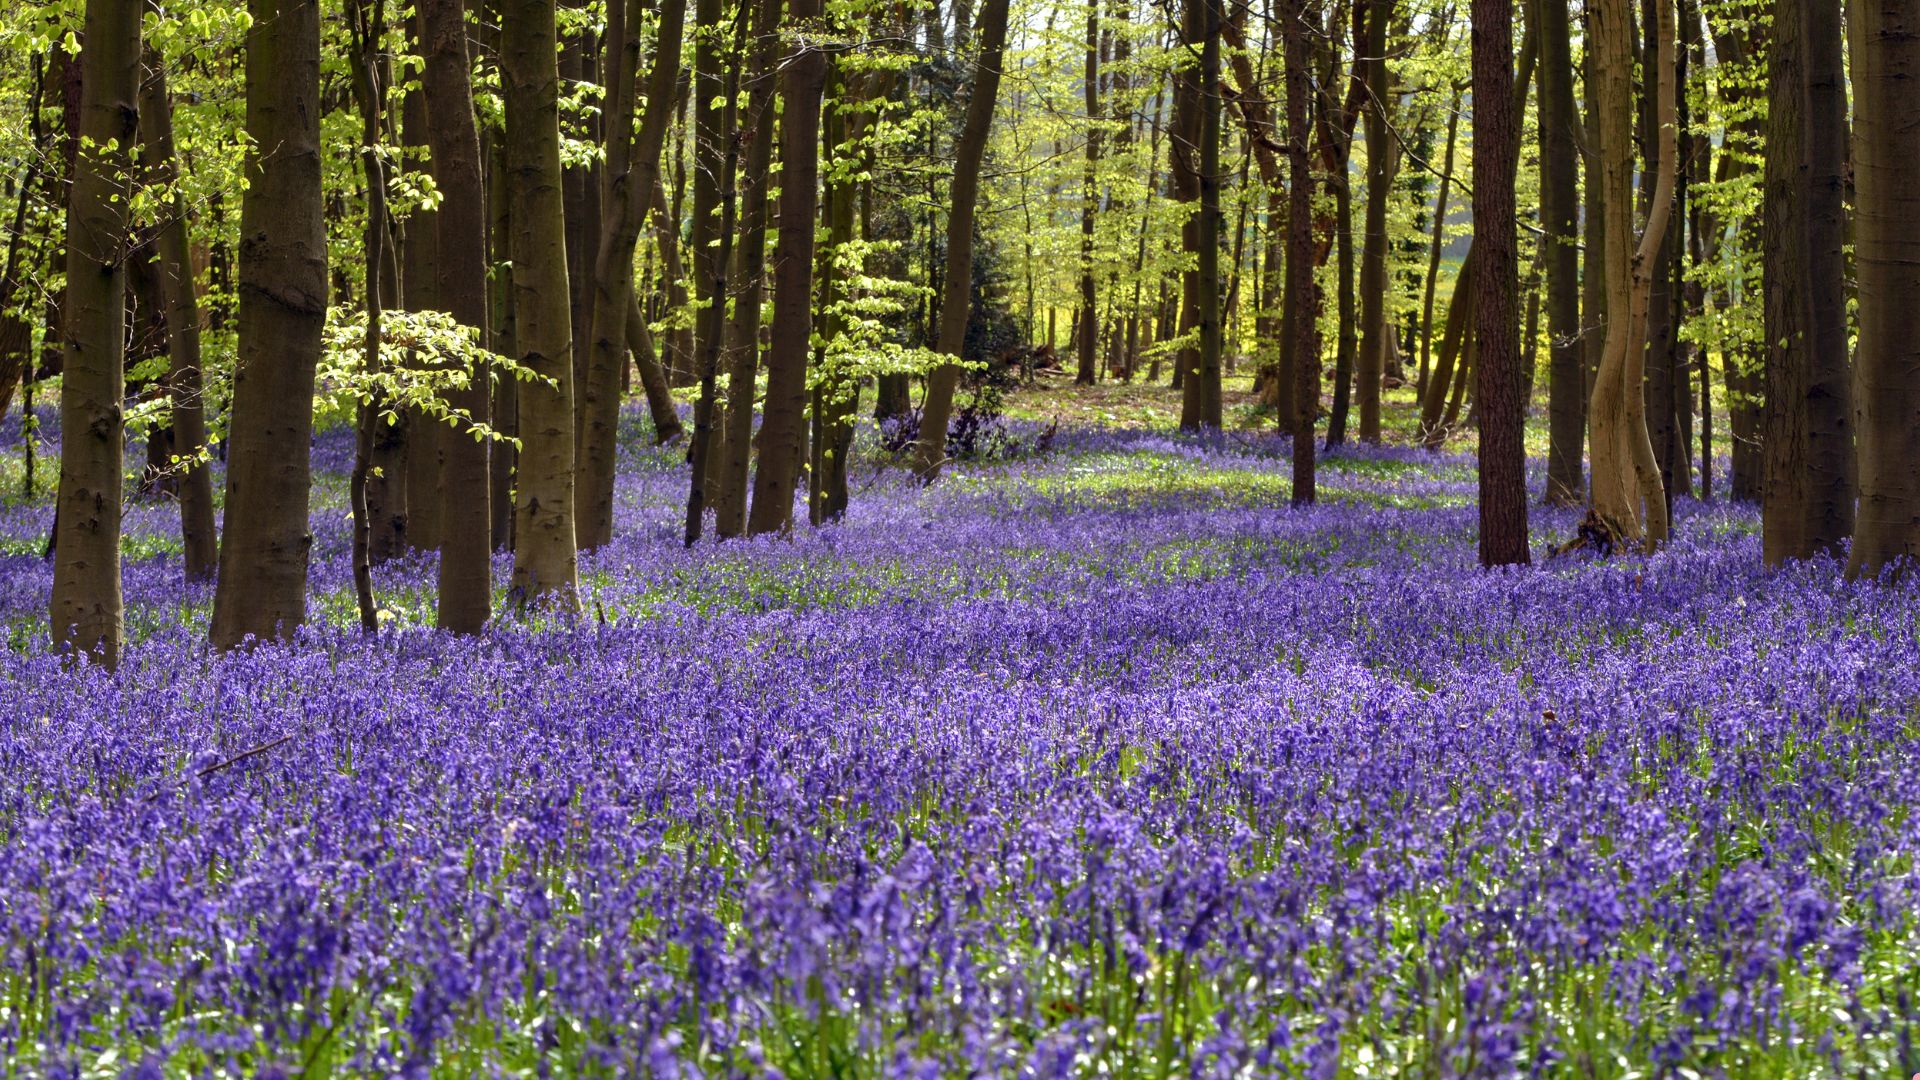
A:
(1496, 128)
(748, 275)
(201, 549)
(1886, 148)
(931, 451)
(262, 591)
(87, 607)
(545, 560)
(628, 175)
(466, 580)
(1627, 494)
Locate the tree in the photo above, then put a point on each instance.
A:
(1808, 498)
(748, 275)
(1496, 128)
(1559, 220)
(1886, 144)
(783, 427)
(1200, 403)
(931, 450)
(1628, 498)
(1089, 328)
(1382, 149)
(200, 548)
(631, 169)
(87, 608)
(283, 308)
(1302, 302)
(545, 560)
(466, 581)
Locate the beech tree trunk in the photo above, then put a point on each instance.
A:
(1382, 146)
(1628, 496)
(1204, 391)
(466, 582)
(199, 541)
(748, 276)
(1300, 319)
(783, 429)
(1560, 224)
(87, 607)
(1496, 129)
(1886, 147)
(1089, 335)
(1808, 504)
(545, 560)
(283, 310)
(931, 451)
(631, 168)
(420, 291)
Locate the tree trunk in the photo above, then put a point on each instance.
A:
(1886, 145)
(545, 560)
(931, 451)
(283, 310)
(1560, 224)
(1808, 507)
(1347, 324)
(1627, 493)
(714, 316)
(1662, 337)
(1496, 131)
(743, 327)
(420, 291)
(1089, 336)
(466, 583)
(201, 551)
(87, 608)
(783, 430)
(1382, 145)
(504, 459)
(1300, 320)
(631, 168)
(1206, 388)
(1439, 244)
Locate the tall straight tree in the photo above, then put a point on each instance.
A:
(545, 560)
(1200, 400)
(1560, 223)
(199, 542)
(930, 452)
(87, 608)
(1089, 328)
(466, 581)
(1382, 146)
(1628, 497)
(783, 427)
(1808, 499)
(1496, 129)
(628, 175)
(1886, 149)
(262, 590)
(1301, 315)
(748, 277)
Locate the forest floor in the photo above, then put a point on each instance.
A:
(1095, 757)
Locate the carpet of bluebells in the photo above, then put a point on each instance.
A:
(1093, 761)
